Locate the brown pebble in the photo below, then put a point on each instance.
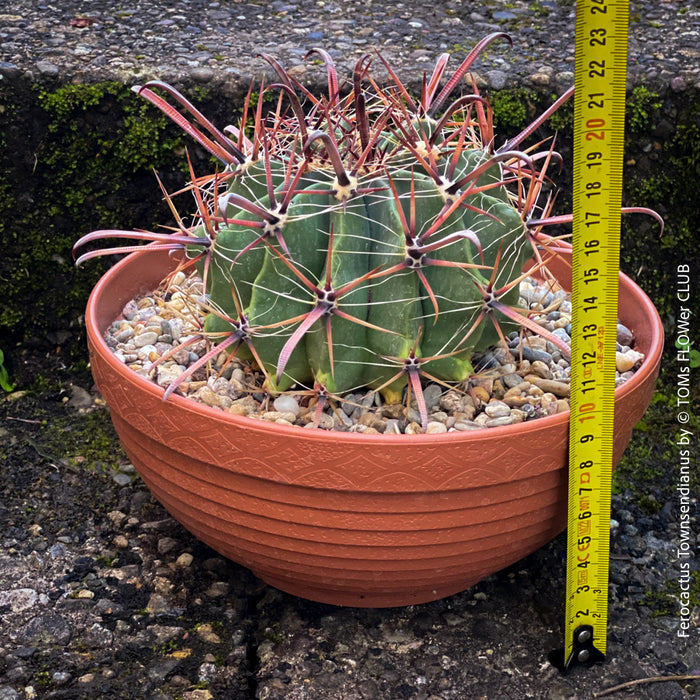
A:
(217, 589)
(480, 394)
(464, 415)
(541, 369)
(625, 361)
(325, 422)
(547, 400)
(393, 410)
(370, 420)
(275, 416)
(181, 356)
(517, 401)
(524, 368)
(560, 389)
(517, 390)
(451, 401)
(211, 398)
(498, 389)
(537, 342)
(518, 416)
(207, 634)
(518, 395)
(244, 406)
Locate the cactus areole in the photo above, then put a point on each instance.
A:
(364, 239)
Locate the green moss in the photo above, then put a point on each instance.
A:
(86, 441)
(138, 141)
(510, 108)
(665, 601)
(663, 175)
(93, 168)
(642, 105)
(106, 561)
(167, 648)
(563, 119)
(539, 9)
(42, 680)
(5, 383)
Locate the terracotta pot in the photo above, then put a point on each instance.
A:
(351, 519)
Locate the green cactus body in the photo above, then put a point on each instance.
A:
(232, 271)
(459, 303)
(344, 366)
(368, 234)
(252, 180)
(395, 301)
(278, 294)
(507, 235)
(305, 231)
(470, 160)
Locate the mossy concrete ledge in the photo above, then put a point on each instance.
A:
(78, 148)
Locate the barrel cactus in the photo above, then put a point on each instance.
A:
(368, 238)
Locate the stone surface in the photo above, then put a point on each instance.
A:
(167, 616)
(217, 44)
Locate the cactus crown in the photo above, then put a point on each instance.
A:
(366, 238)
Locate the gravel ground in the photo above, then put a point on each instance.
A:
(218, 42)
(102, 595)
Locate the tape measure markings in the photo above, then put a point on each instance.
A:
(599, 109)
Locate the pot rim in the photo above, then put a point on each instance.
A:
(94, 332)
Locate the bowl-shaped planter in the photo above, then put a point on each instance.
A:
(346, 518)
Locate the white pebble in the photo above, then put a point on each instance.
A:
(497, 409)
(462, 425)
(178, 278)
(501, 420)
(286, 404)
(146, 338)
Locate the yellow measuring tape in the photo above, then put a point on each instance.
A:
(599, 116)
